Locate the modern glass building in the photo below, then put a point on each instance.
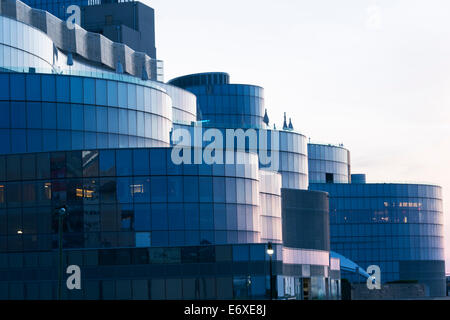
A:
(398, 227)
(86, 125)
(223, 105)
(328, 164)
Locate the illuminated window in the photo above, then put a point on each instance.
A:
(48, 190)
(2, 193)
(137, 188)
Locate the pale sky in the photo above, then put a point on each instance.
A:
(374, 75)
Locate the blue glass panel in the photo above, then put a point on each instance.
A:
(192, 216)
(122, 95)
(132, 122)
(49, 140)
(4, 84)
(64, 140)
(113, 120)
(142, 220)
(241, 253)
(90, 140)
(112, 94)
(141, 189)
(176, 217)
(34, 115)
(102, 119)
(131, 96)
(48, 88)
(89, 91)
(175, 189)
(206, 237)
(160, 239)
(113, 140)
(124, 189)
(90, 123)
(4, 111)
(33, 87)
(62, 89)
(192, 238)
(206, 217)
(18, 141)
(102, 140)
(76, 90)
(34, 140)
(77, 117)
(18, 115)
(205, 184)
(5, 143)
(100, 92)
(136, 142)
(77, 140)
(63, 115)
(190, 189)
(123, 162)
(140, 97)
(123, 121)
(107, 163)
(220, 217)
(159, 217)
(17, 86)
(123, 141)
(49, 115)
(159, 189)
(141, 163)
(140, 124)
(158, 161)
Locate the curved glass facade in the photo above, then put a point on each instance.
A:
(22, 45)
(328, 164)
(293, 160)
(389, 225)
(222, 104)
(184, 104)
(231, 105)
(289, 155)
(76, 133)
(57, 112)
(270, 199)
(127, 198)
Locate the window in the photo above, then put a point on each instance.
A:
(159, 189)
(107, 163)
(109, 20)
(141, 162)
(107, 190)
(329, 178)
(143, 239)
(124, 163)
(18, 119)
(140, 189)
(142, 217)
(100, 92)
(159, 217)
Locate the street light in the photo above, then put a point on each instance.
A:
(270, 253)
(61, 212)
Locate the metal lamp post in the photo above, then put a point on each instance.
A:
(270, 253)
(61, 212)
